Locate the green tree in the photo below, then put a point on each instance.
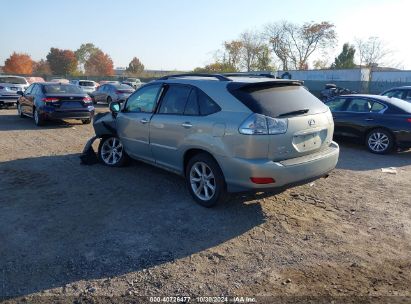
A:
(62, 62)
(84, 52)
(135, 67)
(346, 58)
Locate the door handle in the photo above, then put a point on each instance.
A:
(144, 121)
(187, 125)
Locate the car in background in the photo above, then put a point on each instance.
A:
(9, 86)
(381, 122)
(111, 92)
(60, 80)
(88, 86)
(34, 79)
(108, 81)
(223, 134)
(403, 93)
(133, 82)
(51, 101)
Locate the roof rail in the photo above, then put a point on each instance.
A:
(218, 76)
(250, 74)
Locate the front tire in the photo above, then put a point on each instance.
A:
(205, 180)
(86, 121)
(38, 120)
(379, 141)
(19, 111)
(111, 152)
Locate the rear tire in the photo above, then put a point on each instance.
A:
(379, 141)
(109, 100)
(38, 120)
(205, 180)
(111, 152)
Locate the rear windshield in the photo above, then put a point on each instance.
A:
(86, 83)
(277, 99)
(13, 80)
(62, 89)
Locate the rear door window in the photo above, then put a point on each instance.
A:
(175, 99)
(192, 104)
(377, 107)
(359, 105)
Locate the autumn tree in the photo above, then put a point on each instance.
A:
(294, 44)
(232, 52)
(372, 52)
(345, 59)
(216, 67)
(84, 52)
(135, 67)
(99, 63)
(18, 64)
(62, 62)
(42, 68)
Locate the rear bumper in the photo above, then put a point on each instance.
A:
(286, 173)
(5, 100)
(403, 139)
(68, 114)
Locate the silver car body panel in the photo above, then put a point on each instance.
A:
(305, 151)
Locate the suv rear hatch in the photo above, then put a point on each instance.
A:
(301, 123)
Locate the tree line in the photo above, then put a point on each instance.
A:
(87, 60)
(289, 46)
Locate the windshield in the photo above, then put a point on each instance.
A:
(86, 83)
(62, 89)
(13, 80)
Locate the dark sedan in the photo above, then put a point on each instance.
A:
(381, 122)
(49, 101)
(399, 92)
(111, 92)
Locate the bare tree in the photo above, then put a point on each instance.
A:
(252, 44)
(294, 44)
(372, 52)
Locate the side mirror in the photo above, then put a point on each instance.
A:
(115, 107)
(20, 93)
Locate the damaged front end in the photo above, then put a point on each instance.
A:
(104, 124)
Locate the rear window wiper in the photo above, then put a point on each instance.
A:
(298, 112)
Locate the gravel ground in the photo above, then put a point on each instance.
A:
(77, 233)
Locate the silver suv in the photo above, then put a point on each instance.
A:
(222, 133)
(9, 86)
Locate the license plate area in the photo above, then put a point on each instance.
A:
(71, 105)
(308, 142)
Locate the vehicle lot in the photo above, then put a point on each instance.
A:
(68, 229)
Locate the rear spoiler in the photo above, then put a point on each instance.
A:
(264, 84)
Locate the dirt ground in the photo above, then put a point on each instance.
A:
(74, 233)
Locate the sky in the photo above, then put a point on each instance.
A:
(184, 34)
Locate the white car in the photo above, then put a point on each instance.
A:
(133, 82)
(88, 86)
(9, 86)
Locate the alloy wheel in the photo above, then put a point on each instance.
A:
(378, 142)
(202, 181)
(111, 151)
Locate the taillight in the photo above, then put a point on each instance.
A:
(257, 124)
(87, 99)
(409, 119)
(50, 99)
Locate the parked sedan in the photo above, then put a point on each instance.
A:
(399, 92)
(48, 101)
(383, 123)
(111, 92)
